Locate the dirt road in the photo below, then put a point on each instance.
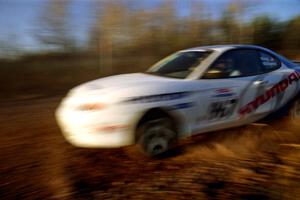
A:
(253, 162)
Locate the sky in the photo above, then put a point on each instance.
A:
(19, 18)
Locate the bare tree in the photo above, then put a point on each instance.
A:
(291, 39)
(10, 47)
(53, 29)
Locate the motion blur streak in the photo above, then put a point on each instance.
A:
(47, 47)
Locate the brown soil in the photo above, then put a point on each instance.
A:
(252, 162)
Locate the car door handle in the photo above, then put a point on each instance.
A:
(261, 82)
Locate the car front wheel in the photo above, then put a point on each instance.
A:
(157, 136)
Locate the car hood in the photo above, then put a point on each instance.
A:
(123, 82)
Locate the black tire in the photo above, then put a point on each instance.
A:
(157, 136)
(294, 114)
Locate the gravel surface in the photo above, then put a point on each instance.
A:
(257, 161)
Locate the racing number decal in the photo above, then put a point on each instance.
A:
(221, 109)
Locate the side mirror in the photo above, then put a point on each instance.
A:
(213, 73)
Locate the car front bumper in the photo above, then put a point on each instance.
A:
(101, 129)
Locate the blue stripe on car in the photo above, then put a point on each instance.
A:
(182, 106)
(159, 97)
(224, 95)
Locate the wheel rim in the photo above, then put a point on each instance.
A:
(158, 138)
(157, 146)
(296, 111)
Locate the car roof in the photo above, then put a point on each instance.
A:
(224, 47)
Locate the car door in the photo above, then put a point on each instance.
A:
(278, 83)
(231, 82)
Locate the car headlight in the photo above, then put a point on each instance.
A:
(91, 106)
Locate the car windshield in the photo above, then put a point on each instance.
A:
(179, 65)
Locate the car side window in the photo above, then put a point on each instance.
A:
(235, 63)
(268, 62)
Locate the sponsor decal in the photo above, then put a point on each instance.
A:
(223, 92)
(159, 97)
(269, 94)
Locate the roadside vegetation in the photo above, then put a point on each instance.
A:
(125, 38)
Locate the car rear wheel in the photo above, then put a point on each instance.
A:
(294, 113)
(157, 136)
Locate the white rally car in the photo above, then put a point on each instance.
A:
(190, 92)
